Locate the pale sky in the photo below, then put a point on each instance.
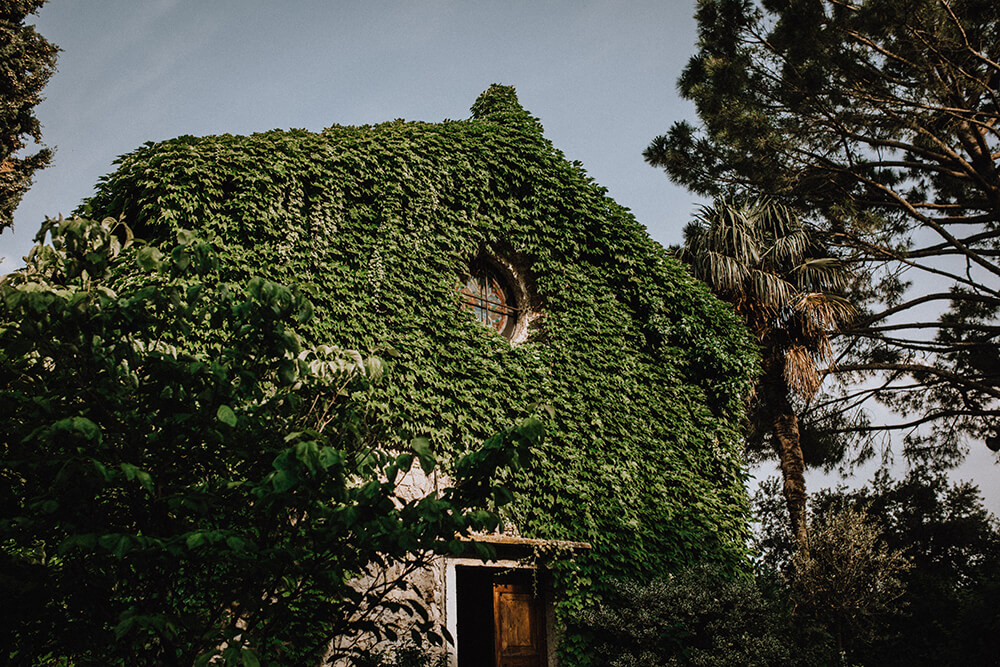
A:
(599, 74)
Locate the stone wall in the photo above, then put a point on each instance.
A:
(424, 585)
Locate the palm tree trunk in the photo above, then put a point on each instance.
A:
(785, 427)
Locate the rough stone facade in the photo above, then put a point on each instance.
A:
(431, 584)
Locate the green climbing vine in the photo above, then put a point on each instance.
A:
(645, 370)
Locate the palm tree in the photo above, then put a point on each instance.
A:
(758, 256)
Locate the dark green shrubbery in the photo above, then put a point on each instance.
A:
(183, 480)
(937, 608)
(700, 616)
(903, 572)
(947, 614)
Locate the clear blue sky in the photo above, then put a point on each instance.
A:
(600, 74)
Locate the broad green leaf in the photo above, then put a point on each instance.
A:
(101, 468)
(108, 542)
(226, 415)
(149, 258)
(288, 371)
(124, 626)
(328, 457)
(422, 447)
(283, 480)
(249, 657)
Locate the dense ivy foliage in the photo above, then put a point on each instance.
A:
(645, 370)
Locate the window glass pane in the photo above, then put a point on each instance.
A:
(490, 302)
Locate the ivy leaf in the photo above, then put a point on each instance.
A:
(287, 371)
(226, 415)
(422, 447)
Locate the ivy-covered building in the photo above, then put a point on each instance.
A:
(496, 277)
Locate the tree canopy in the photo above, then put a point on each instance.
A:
(946, 613)
(879, 120)
(28, 61)
(184, 478)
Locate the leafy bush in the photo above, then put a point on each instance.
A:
(848, 578)
(938, 611)
(699, 616)
(183, 478)
(947, 614)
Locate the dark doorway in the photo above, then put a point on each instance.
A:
(501, 620)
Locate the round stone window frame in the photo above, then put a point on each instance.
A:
(514, 280)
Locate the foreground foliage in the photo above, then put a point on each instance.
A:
(702, 616)
(403, 655)
(182, 476)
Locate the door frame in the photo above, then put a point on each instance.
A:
(544, 592)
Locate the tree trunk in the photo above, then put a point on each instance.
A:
(785, 427)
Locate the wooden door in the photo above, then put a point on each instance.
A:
(518, 626)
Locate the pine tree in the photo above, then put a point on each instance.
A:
(878, 121)
(27, 60)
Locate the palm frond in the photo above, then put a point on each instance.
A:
(760, 257)
(789, 249)
(826, 274)
(800, 371)
(722, 272)
(771, 289)
(824, 313)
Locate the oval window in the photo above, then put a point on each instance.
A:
(486, 294)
